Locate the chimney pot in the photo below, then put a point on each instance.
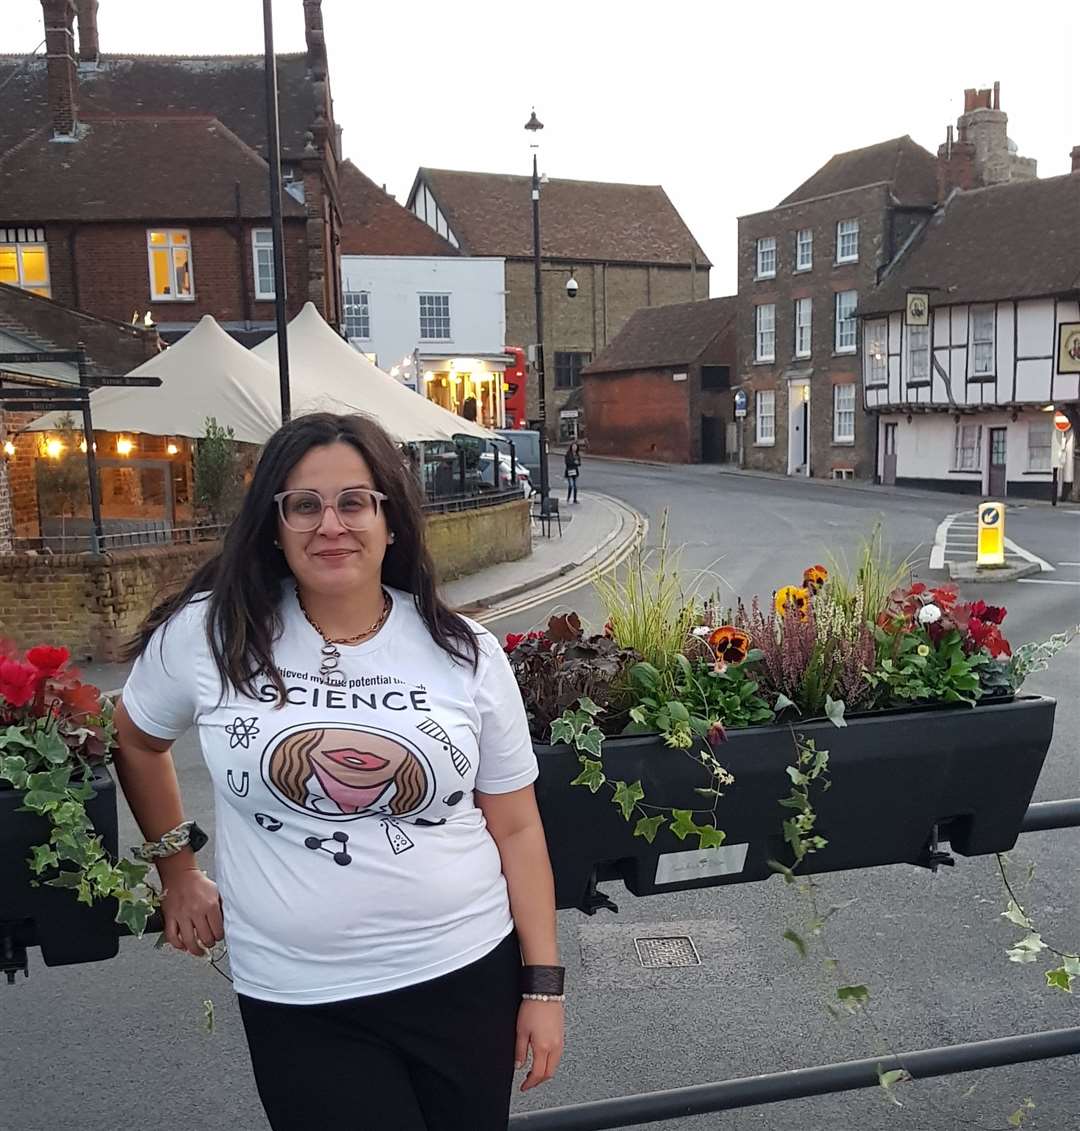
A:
(88, 31)
(60, 49)
(997, 95)
(1075, 155)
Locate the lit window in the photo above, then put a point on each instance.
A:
(843, 414)
(876, 343)
(982, 341)
(804, 249)
(765, 416)
(966, 456)
(24, 260)
(918, 353)
(1040, 445)
(846, 323)
(435, 318)
(357, 314)
(262, 254)
(803, 329)
(766, 257)
(847, 241)
(171, 275)
(765, 332)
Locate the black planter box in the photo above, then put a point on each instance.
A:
(52, 918)
(895, 775)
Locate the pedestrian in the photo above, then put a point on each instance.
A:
(573, 466)
(382, 877)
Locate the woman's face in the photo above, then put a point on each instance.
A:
(332, 558)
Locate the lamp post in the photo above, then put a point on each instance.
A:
(533, 125)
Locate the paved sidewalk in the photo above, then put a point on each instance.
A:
(597, 533)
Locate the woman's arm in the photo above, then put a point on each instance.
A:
(514, 823)
(147, 776)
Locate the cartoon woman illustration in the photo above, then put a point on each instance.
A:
(344, 772)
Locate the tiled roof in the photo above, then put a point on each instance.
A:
(658, 336)
(491, 214)
(228, 87)
(136, 168)
(373, 223)
(1018, 240)
(905, 165)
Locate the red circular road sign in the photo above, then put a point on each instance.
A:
(1061, 422)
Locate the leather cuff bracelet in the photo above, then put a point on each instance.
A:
(545, 980)
(185, 835)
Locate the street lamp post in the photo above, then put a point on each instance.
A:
(533, 125)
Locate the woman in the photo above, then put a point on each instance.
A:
(385, 889)
(573, 463)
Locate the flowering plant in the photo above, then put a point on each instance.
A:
(54, 730)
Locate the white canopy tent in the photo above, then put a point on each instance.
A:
(206, 373)
(327, 374)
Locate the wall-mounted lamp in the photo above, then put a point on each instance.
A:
(9, 448)
(124, 446)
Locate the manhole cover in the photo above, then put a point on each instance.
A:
(661, 953)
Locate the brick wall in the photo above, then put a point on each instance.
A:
(879, 231)
(90, 604)
(607, 295)
(104, 270)
(640, 415)
(463, 542)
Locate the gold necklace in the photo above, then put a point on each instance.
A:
(331, 657)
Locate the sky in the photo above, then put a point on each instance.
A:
(728, 107)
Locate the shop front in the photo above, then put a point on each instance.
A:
(460, 384)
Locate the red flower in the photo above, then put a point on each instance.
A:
(46, 659)
(988, 614)
(717, 734)
(985, 635)
(81, 699)
(513, 639)
(18, 682)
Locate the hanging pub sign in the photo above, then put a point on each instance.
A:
(1069, 347)
(917, 312)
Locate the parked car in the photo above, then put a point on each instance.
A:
(526, 443)
(506, 471)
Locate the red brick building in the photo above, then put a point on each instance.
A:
(662, 388)
(138, 184)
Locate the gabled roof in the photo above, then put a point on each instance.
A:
(228, 86)
(373, 223)
(909, 169)
(136, 168)
(1018, 240)
(656, 337)
(491, 214)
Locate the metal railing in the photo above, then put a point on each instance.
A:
(473, 500)
(824, 1079)
(152, 533)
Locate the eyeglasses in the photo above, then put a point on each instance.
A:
(357, 508)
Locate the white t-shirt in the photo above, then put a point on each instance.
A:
(350, 854)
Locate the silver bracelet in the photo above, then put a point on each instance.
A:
(543, 997)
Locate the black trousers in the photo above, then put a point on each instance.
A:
(437, 1056)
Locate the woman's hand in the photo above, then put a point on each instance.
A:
(539, 1027)
(191, 907)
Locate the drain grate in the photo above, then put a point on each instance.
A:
(666, 953)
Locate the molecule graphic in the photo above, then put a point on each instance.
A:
(340, 856)
(241, 732)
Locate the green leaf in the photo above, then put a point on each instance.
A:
(853, 997)
(1060, 979)
(889, 1080)
(562, 731)
(797, 941)
(782, 703)
(1027, 949)
(134, 915)
(709, 836)
(592, 775)
(648, 827)
(682, 824)
(42, 856)
(678, 711)
(834, 711)
(590, 741)
(589, 707)
(627, 797)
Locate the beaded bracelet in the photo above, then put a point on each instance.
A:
(543, 997)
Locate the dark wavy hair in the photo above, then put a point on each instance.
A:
(244, 580)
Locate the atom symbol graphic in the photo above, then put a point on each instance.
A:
(241, 732)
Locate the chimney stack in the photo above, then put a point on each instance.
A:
(60, 48)
(88, 32)
(1075, 155)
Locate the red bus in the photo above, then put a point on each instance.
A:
(514, 388)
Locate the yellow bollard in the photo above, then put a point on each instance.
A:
(991, 535)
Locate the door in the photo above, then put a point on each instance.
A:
(712, 439)
(997, 484)
(888, 465)
(799, 428)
